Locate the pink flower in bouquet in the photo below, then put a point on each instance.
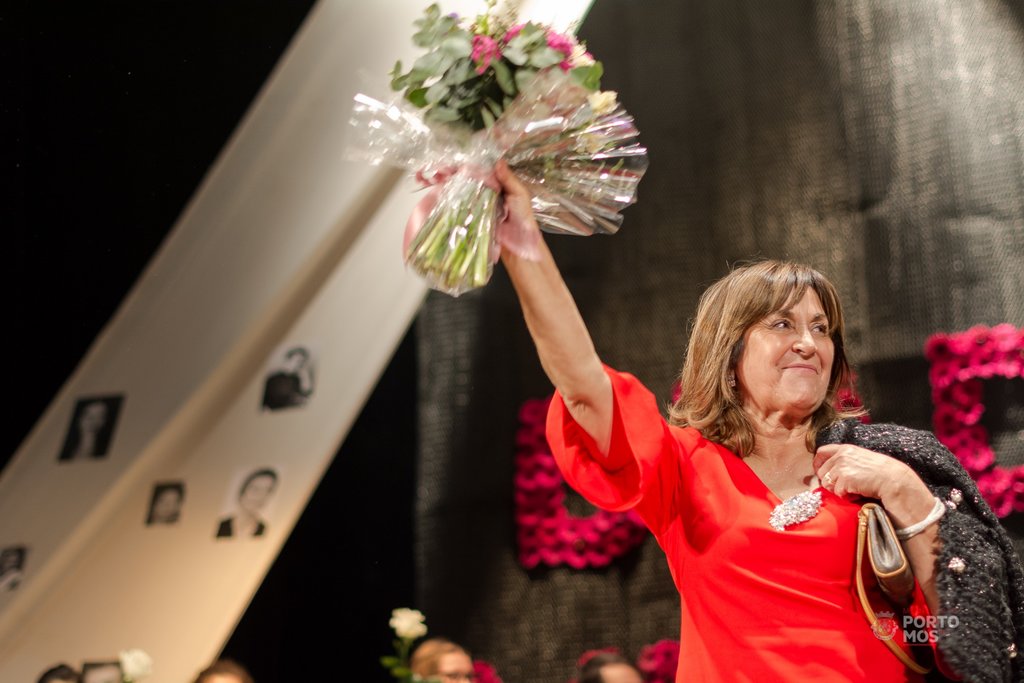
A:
(513, 32)
(563, 44)
(485, 50)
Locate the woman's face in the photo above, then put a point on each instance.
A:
(256, 493)
(787, 361)
(455, 667)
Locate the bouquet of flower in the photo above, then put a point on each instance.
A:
(495, 89)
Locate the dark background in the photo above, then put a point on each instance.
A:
(111, 116)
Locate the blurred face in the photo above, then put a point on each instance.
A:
(620, 673)
(455, 667)
(294, 362)
(256, 494)
(94, 416)
(787, 361)
(222, 678)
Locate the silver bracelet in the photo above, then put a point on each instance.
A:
(935, 515)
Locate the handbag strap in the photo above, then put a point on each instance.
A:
(869, 612)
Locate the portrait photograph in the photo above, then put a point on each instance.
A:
(92, 426)
(166, 502)
(101, 672)
(12, 567)
(250, 499)
(289, 378)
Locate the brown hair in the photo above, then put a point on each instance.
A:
(224, 667)
(726, 311)
(427, 657)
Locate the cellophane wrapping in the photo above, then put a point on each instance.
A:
(579, 158)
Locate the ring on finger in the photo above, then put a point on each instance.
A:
(827, 479)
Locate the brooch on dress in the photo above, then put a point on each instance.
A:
(795, 509)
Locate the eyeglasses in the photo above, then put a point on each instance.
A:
(470, 677)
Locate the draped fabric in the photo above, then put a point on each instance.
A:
(877, 140)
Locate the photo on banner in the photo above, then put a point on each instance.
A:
(12, 567)
(248, 506)
(91, 429)
(289, 378)
(166, 503)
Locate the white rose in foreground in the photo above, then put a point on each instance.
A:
(408, 623)
(603, 101)
(135, 664)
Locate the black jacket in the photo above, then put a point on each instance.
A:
(987, 594)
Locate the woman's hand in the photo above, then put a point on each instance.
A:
(845, 470)
(518, 232)
(848, 470)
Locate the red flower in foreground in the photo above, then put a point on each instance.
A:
(484, 672)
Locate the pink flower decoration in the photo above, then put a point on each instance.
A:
(545, 531)
(485, 673)
(959, 363)
(484, 51)
(658, 662)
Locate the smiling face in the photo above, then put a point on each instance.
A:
(786, 362)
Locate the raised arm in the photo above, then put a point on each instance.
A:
(563, 342)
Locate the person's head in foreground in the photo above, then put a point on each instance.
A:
(442, 659)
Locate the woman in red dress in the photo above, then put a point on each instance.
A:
(757, 520)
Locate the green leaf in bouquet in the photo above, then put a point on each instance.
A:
(390, 661)
(493, 106)
(460, 72)
(515, 54)
(458, 45)
(503, 75)
(433, 27)
(588, 76)
(487, 116)
(418, 96)
(545, 57)
(436, 93)
(523, 78)
(432, 64)
(401, 672)
(443, 114)
(398, 79)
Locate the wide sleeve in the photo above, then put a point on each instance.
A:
(643, 469)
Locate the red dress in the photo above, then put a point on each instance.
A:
(756, 604)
